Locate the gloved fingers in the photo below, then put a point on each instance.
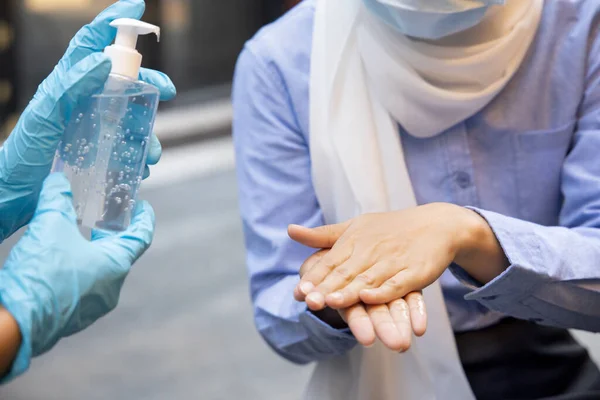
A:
(127, 246)
(167, 92)
(154, 150)
(146, 172)
(55, 204)
(161, 81)
(98, 34)
(59, 94)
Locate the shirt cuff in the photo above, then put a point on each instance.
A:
(520, 280)
(337, 341)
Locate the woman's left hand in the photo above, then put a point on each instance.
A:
(393, 324)
(378, 258)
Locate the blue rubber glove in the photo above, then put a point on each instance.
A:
(55, 282)
(27, 155)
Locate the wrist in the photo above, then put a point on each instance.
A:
(15, 330)
(472, 230)
(479, 253)
(16, 299)
(10, 341)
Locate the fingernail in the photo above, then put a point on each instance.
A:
(336, 297)
(306, 287)
(315, 297)
(369, 346)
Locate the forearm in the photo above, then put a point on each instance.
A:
(552, 275)
(10, 341)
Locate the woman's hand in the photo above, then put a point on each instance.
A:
(379, 258)
(392, 323)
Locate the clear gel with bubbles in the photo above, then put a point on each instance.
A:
(104, 149)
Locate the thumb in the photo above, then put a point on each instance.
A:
(42, 124)
(323, 237)
(154, 151)
(126, 247)
(55, 204)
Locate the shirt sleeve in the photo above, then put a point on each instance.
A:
(554, 273)
(275, 188)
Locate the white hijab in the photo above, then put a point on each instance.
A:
(365, 78)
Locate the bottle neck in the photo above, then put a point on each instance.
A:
(125, 61)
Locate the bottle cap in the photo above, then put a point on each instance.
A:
(126, 60)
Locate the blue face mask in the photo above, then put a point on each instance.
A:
(430, 19)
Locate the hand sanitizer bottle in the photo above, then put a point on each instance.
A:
(103, 151)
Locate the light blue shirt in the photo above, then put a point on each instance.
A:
(529, 163)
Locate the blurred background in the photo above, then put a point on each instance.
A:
(183, 329)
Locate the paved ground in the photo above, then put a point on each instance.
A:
(183, 329)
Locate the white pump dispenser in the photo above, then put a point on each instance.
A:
(126, 60)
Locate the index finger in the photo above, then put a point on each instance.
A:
(127, 246)
(98, 34)
(309, 263)
(312, 261)
(328, 263)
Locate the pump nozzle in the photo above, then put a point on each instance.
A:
(126, 60)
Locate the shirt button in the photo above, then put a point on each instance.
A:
(463, 179)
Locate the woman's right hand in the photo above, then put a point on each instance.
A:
(392, 323)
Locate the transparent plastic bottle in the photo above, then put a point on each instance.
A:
(104, 149)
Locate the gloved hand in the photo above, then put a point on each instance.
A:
(55, 282)
(28, 153)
